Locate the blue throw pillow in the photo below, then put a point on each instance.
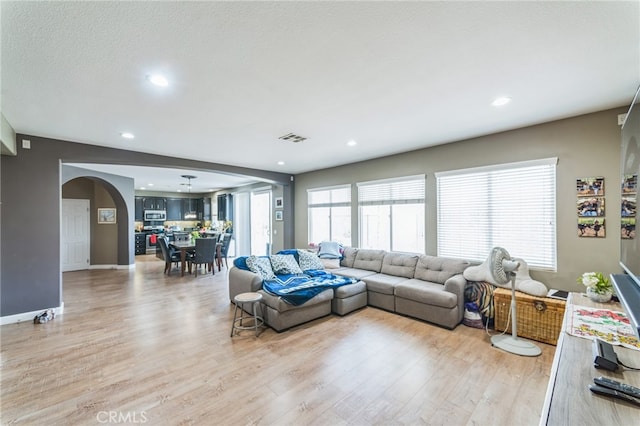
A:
(241, 263)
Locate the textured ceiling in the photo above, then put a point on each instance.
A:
(393, 76)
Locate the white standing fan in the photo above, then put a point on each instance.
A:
(503, 269)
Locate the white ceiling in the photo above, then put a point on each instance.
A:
(393, 76)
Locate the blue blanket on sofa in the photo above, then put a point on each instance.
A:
(298, 289)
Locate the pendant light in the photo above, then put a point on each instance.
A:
(191, 214)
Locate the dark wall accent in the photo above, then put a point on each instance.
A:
(30, 187)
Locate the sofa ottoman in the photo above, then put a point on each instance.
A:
(281, 315)
(348, 298)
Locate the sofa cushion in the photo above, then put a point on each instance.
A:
(330, 263)
(348, 257)
(369, 259)
(382, 283)
(399, 264)
(353, 272)
(284, 264)
(426, 292)
(309, 260)
(261, 266)
(438, 269)
(349, 290)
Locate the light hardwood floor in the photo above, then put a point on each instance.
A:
(139, 346)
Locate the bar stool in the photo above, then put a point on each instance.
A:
(240, 300)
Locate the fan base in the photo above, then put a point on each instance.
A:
(515, 345)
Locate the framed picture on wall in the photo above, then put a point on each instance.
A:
(628, 228)
(278, 214)
(106, 215)
(591, 227)
(590, 206)
(279, 202)
(590, 186)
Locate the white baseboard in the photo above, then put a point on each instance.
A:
(132, 266)
(28, 316)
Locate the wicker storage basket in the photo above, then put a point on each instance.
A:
(538, 318)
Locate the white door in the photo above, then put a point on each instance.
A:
(74, 235)
(261, 223)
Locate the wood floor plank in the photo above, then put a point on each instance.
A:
(140, 343)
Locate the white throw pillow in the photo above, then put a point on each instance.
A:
(261, 266)
(309, 260)
(284, 264)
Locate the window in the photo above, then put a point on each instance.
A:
(510, 205)
(392, 214)
(330, 214)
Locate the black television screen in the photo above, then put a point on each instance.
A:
(628, 285)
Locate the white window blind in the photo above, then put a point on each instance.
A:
(329, 211)
(405, 190)
(392, 214)
(511, 206)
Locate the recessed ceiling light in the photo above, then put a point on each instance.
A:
(502, 100)
(127, 135)
(142, 188)
(352, 143)
(280, 163)
(149, 184)
(179, 190)
(158, 80)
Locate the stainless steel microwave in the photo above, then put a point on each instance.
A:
(156, 215)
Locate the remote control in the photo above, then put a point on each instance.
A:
(601, 390)
(620, 387)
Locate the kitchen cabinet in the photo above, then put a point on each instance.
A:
(206, 209)
(174, 209)
(139, 210)
(192, 205)
(154, 203)
(178, 207)
(140, 246)
(225, 207)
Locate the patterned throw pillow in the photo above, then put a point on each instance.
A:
(284, 264)
(309, 260)
(261, 266)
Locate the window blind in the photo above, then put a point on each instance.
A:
(511, 206)
(406, 190)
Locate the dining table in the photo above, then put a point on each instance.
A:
(184, 247)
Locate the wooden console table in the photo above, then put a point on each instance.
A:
(568, 400)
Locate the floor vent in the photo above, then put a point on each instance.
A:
(293, 138)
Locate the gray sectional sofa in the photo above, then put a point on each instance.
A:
(421, 286)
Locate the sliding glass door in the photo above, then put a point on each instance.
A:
(261, 223)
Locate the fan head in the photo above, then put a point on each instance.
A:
(501, 265)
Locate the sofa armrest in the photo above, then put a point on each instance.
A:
(456, 285)
(243, 281)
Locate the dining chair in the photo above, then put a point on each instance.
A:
(224, 249)
(205, 254)
(170, 256)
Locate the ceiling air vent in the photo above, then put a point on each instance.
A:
(293, 138)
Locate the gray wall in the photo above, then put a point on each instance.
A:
(587, 145)
(30, 187)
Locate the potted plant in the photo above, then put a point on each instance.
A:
(599, 288)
